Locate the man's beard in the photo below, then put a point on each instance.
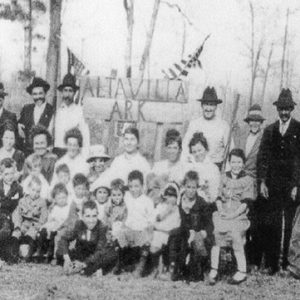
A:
(67, 100)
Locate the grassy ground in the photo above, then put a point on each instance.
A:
(39, 282)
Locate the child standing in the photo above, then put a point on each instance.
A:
(167, 218)
(139, 222)
(31, 214)
(92, 250)
(10, 194)
(230, 220)
(56, 218)
(195, 230)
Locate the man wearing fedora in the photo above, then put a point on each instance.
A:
(215, 130)
(69, 115)
(38, 113)
(278, 176)
(5, 115)
(249, 141)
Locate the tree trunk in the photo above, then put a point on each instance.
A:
(28, 38)
(53, 53)
(266, 75)
(149, 39)
(284, 48)
(129, 8)
(252, 53)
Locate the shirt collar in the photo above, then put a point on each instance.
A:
(287, 123)
(41, 107)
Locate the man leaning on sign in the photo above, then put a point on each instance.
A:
(215, 130)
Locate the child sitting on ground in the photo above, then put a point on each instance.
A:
(138, 227)
(101, 193)
(56, 218)
(92, 249)
(166, 219)
(10, 194)
(230, 220)
(35, 170)
(98, 161)
(30, 215)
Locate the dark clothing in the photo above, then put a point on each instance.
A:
(19, 158)
(8, 117)
(278, 167)
(97, 252)
(27, 119)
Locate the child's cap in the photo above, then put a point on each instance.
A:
(100, 183)
(97, 151)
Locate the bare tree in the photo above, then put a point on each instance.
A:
(28, 37)
(266, 74)
(284, 46)
(129, 9)
(53, 53)
(149, 38)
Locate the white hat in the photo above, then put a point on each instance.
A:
(100, 182)
(97, 151)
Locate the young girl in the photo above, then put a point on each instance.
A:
(98, 161)
(230, 220)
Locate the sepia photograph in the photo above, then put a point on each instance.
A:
(149, 149)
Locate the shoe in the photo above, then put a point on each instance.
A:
(213, 277)
(238, 278)
(53, 262)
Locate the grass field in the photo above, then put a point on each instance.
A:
(39, 282)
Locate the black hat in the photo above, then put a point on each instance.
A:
(69, 80)
(254, 114)
(38, 82)
(285, 99)
(2, 91)
(210, 96)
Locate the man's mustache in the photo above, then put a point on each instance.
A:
(39, 99)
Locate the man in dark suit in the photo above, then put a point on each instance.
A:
(278, 175)
(38, 113)
(5, 115)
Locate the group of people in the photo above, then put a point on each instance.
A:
(64, 201)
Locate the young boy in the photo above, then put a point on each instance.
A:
(63, 176)
(31, 214)
(92, 249)
(56, 218)
(101, 193)
(10, 194)
(230, 220)
(35, 169)
(139, 221)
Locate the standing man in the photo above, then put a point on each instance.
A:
(5, 115)
(69, 115)
(38, 113)
(278, 175)
(215, 130)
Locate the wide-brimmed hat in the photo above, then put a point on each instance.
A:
(210, 96)
(69, 80)
(38, 82)
(254, 114)
(285, 99)
(97, 151)
(2, 91)
(101, 182)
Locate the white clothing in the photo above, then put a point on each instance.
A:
(57, 216)
(283, 126)
(68, 117)
(122, 165)
(101, 211)
(45, 188)
(37, 112)
(209, 176)
(140, 212)
(6, 154)
(216, 132)
(76, 165)
(251, 139)
(175, 172)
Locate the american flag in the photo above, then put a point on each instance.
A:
(182, 68)
(75, 66)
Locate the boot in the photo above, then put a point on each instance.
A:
(117, 270)
(140, 268)
(13, 257)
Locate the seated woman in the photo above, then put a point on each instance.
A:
(230, 220)
(73, 158)
(128, 161)
(172, 167)
(208, 172)
(8, 148)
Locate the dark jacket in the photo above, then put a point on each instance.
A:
(19, 158)
(94, 249)
(9, 202)
(8, 117)
(27, 119)
(278, 156)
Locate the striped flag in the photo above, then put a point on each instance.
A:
(182, 68)
(75, 66)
